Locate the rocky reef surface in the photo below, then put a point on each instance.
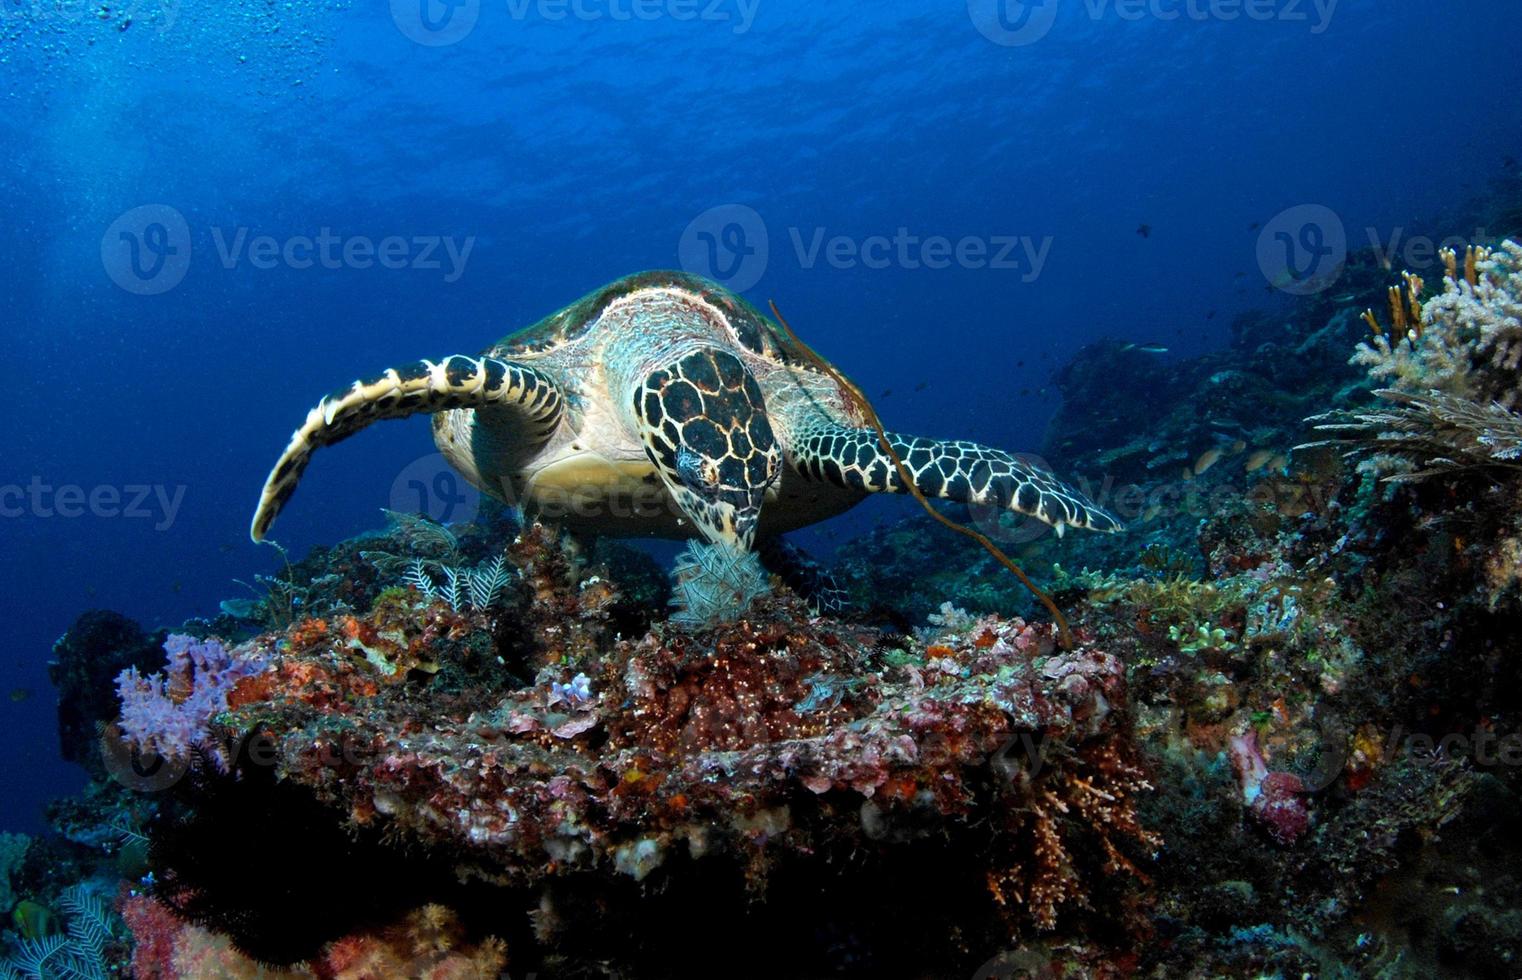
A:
(1284, 740)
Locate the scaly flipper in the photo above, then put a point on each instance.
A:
(458, 381)
(961, 471)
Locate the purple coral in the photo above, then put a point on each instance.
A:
(169, 713)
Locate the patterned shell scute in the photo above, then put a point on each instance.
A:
(751, 328)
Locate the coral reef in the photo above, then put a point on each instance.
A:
(1286, 741)
(715, 765)
(1317, 659)
(426, 944)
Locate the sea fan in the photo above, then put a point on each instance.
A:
(478, 587)
(33, 957)
(715, 584)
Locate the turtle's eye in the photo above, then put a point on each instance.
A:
(699, 473)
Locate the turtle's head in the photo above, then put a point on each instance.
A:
(705, 428)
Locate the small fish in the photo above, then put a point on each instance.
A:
(1152, 512)
(1257, 460)
(1344, 298)
(1238, 446)
(1025, 392)
(1239, 275)
(20, 694)
(1210, 315)
(922, 386)
(32, 920)
(886, 393)
(1019, 364)
(1255, 226)
(1144, 230)
(1279, 462)
(1147, 348)
(1207, 459)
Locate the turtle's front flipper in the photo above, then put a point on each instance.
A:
(425, 386)
(962, 471)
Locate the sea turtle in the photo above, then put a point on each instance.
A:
(664, 404)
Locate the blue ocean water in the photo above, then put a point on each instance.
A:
(947, 200)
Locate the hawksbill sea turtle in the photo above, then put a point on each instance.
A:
(664, 404)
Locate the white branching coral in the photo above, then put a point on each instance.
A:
(1467, 341)
(1451, 367)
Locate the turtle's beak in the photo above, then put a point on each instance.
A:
(706, 429)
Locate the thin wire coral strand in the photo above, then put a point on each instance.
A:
(1064, 634)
